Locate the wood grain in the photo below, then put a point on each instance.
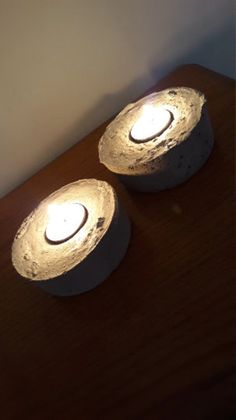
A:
(156, 339)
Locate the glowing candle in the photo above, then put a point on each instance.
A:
(153, 121)
(64, 220)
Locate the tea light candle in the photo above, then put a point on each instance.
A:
(73, 240)
(153, 121)
(64, 221)
(159, 141)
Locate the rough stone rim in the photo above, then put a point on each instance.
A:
(122, 156)
(36, 259)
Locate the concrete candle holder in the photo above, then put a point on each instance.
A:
(65, 256)
(150, 154)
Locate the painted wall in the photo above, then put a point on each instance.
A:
(67, 65)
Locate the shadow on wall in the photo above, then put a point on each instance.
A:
(216, 51)
(213, 52)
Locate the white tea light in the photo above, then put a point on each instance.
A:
(64, 221)
(67, 248)
(153, 121)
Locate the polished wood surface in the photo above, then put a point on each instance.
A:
(156, 339)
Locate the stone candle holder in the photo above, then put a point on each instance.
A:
(169, 158)
(82, 261)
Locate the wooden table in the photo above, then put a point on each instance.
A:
(155, 340)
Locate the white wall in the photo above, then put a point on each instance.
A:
(67, 65)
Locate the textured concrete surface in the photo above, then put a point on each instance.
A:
(168, 159)
(88, 257)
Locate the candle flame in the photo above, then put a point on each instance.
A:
(148, 110)
(58, 211)
(151, 112)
